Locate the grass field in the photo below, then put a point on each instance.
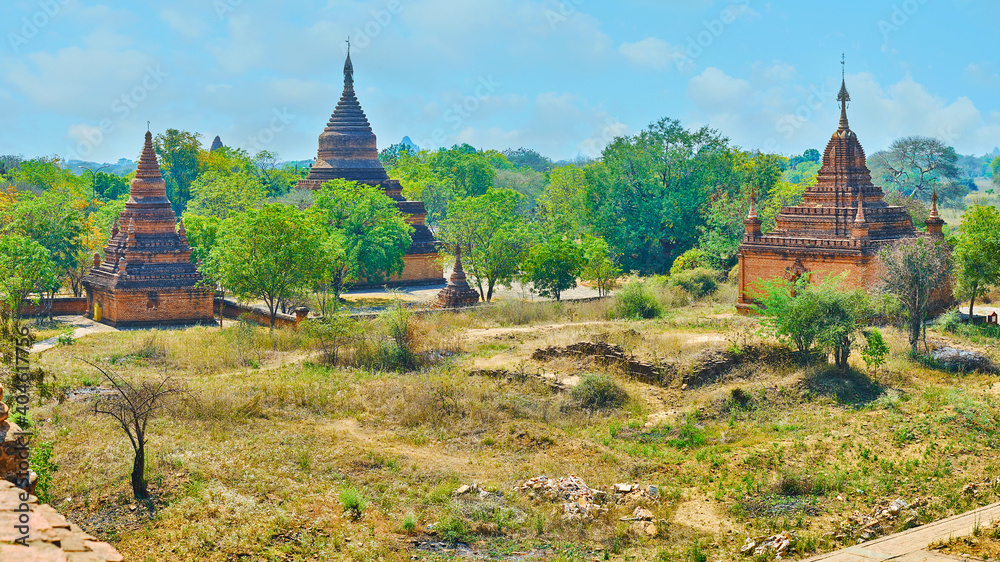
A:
(268, 446)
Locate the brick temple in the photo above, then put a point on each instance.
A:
(146, 277)
(347, 150)
(841, 224)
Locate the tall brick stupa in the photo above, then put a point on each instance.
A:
(841, 224)
(347, 150)
(146, 277)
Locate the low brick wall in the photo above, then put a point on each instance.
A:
(62, 306)
(256, 314)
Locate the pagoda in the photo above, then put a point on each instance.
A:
(347, 150)
(841, 224)
(458, 293)
(146, 277)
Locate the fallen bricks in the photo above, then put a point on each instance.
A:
(609, 355)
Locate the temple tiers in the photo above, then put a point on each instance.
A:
(347, 150)
(841, 224)
(146, 277)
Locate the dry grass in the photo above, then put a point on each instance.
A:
(253, 462)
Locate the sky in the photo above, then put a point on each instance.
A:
(83, 78)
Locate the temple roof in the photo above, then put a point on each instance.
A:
(149, 253)
(843, 195)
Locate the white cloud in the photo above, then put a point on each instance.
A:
(652, 52)
(713, 89)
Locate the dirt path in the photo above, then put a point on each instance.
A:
(429, 455)
(82, 325)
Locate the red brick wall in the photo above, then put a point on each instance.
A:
(63, 306)
(151, 307)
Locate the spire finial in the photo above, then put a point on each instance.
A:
(147, 125)
(860, 217)
(843, 97)
(934, 209)
(348, 68)
(753, 206)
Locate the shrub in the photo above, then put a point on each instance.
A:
(599, 392)
(875, 350)
(409, 524)
(698, 282)
(66, 337)
(636, 301)
(44, 466)
(332, 332)
(691, 259)
(453, 529)
(949, 321)
(353, 501)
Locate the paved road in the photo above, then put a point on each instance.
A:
(911, 545)
(83, 326)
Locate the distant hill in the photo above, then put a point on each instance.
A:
(122, 167)
(410, 144)
(996, 152)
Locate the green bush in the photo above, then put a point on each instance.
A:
(598, 392)
(353, 501)
(691, 259)
(636, 301)
(453, 529)
(698, 282)
(44, 466)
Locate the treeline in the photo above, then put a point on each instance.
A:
(666, 193)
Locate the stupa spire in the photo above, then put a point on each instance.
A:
(843, 97)
(348, 68)
(859, 218)
(934, 209)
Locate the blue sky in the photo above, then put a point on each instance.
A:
(81, 78)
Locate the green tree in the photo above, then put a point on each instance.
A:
(178, 153)
(917, 166)
(216, 194)
(110, 187)
(26, 268)
(977, 253)
(808, 314)
(563, 204)
(913, 271)
(269, 254)
(599, 265)
(54, 219)
(646, 198)
(368, 227)
(995, 168)
(553, 266)
(202, 234)
(493, 235)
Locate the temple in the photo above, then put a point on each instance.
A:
(841, 224)
(146, 277)
(458, 293)
(347, 150)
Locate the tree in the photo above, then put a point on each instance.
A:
(916, 166)
(912, 271)
(494, 237)
(132, 405)
(178, 153)
(54, 219)
(216, 194)
(25, 268)
(977, 253)
(369, 230)
(528, 158)
(553, 266)
(995, 168)
(808, 314)
(599, 265)
(110, 187)
(562, 206)
(646, 198)
(269, 254)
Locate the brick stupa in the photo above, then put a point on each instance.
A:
(458, 293)
(841, 224)
(146, 277)
(347, 150)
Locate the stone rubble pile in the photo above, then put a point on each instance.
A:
(580, 500)
(642, 522)
(471, 489)
(633, 493)
(606, 354)
(779, 545)
(880, 520)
